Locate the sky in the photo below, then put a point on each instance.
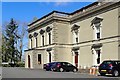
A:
(26, 11)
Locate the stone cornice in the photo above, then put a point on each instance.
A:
(47, 20)
(46, 16)
(102, 7)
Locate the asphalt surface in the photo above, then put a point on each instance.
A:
(9, 72)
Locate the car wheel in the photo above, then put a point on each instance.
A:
(74, 70)
(102, 74)
(61, 69)
(52, 69)
(115, 73)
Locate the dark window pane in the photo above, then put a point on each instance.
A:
(39, 58)
(98, 35)
(49, 38)
(43, 40)
(77, 39)
(98, 59)
(49, 57)
(31, 43)
(36, 42)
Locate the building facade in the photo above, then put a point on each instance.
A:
(84, 38)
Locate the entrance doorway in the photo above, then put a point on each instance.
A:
(28, 61)
(76, 59)
(49, 56)
(98, 56)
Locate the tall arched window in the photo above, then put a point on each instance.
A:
(96, 25)
(48, 30)
(30, 37)
(75, 31)
(42, 36)
(36, 41)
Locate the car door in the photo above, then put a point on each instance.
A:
(118, 64)
(65, 66)
(70, 67)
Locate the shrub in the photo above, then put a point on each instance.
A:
(21, 64)
(5, 65)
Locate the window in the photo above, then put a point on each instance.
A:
(96, 25)
(98, 35)
(98, 57)
(39, 58)
(75, 31)
(49, 57)
(43, 40)
(76, 39)
(98, 32)
(31, 43)
(42, 36)
(36, 42)
(49, 38)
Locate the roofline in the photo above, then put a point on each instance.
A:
(85, 7)
(63, 12)
(47, 16)
(81, 9)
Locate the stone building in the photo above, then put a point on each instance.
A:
(84, 38)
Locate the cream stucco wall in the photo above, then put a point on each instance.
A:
(63, 54)
(110, 23)
(110, 51)
(85, 31)
(62, 32)
(86, 57)
(109, 28)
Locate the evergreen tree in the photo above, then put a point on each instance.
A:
(11, 42)
(5, 55)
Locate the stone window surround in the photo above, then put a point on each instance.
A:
(30, 37)
(49, 52)
(35, 36)
(48, 30)
(75, 30)
(96, 25)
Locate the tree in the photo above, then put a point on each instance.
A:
(14, 40)
(11, 40)
(4, 49)
(22, 36)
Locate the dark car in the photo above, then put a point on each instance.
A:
(44, 66)
(63, 66)
(47, 66)
(110, 67)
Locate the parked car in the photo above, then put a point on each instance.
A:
(63, 66)
(110, 67)
(47, 66)
(44, 66)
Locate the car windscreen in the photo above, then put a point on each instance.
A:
(107, 62)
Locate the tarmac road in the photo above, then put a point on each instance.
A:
(18, 72)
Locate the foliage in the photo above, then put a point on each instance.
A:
(5, 65)
(9, 49)
(20, 64)
(13, 41)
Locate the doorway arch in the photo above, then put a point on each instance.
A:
(28, 61)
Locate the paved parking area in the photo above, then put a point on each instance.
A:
(37, 73)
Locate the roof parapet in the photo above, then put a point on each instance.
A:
(53, 13)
